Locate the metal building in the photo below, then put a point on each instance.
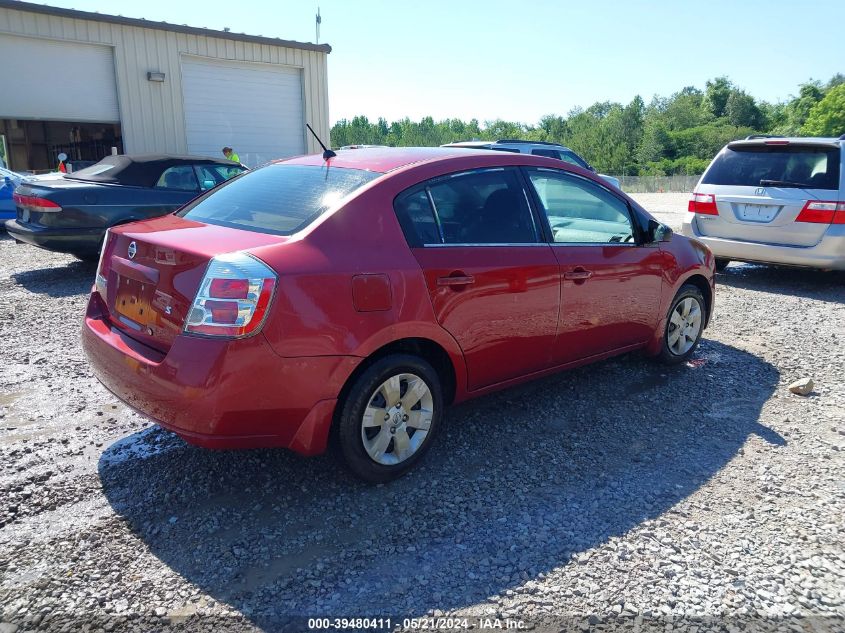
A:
(81, 83)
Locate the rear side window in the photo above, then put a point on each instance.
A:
(483, 207)
(278, 199)
(417, 219)
(803, 166)
(478, 207)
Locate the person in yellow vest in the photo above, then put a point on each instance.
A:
(230, 155)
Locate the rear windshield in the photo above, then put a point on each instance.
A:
(804, 166)
(277, 199)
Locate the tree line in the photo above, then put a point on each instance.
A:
(679, 134)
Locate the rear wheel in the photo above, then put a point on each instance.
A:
(684, 325)
(721, 264)
(389, 417)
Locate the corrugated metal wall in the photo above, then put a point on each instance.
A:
(152, 116)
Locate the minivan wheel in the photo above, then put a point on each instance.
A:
(721, 264)
(389, 417)
(684, 325)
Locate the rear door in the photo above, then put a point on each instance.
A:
(761, 188)
(493, 282)
(610, 282)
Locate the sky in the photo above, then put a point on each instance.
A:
(520, 60)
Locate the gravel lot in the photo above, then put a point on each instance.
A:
(621, 495)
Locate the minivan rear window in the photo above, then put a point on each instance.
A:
(803, 166)
(279, 199)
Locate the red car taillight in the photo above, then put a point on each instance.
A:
(36, 204)
(822, 212)
(101, 279)
(233, 297)
(704, 203)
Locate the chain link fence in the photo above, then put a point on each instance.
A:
(658, 184)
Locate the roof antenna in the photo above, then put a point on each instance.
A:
(327, 153)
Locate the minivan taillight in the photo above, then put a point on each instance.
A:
(704, 203)
(233, 297)
(36, 204)
(822, 212)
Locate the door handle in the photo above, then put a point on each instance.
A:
(456, 280)
(579, 274)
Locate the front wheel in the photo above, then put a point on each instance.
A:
(684, 325)
(389, 417)
(721, 264)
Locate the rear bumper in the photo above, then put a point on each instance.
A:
(59, 240)
(829, 253)
(220, 393)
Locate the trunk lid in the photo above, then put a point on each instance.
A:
(61, 191)
(153, 269)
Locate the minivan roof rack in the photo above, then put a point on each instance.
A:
(751, 137)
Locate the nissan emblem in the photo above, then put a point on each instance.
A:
(133, 248)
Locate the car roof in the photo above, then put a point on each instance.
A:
(383, 159)
(504, 141)
(139, 170)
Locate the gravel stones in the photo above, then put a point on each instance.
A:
(609, 497)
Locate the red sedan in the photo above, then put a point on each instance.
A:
(364, 293)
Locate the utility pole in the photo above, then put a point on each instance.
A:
(319, 20)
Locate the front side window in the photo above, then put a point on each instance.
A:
(279, 199)
(179, 177)
(579, 211)
(548, 153)
(483, 207)
(571, 157)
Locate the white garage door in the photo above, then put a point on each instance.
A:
(60, 81)
(256, 109)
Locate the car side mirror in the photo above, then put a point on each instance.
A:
(8, 181)
(662, 233)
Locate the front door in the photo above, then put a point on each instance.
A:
(610, 283)
(494, 283)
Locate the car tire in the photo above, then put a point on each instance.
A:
(687, 313)
(378, 440)
(721, 264)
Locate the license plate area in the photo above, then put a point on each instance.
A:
(132, 302)
(757, 212)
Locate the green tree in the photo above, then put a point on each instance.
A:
(716, 94)
(827, 117)
(742, 111)
(656, 143)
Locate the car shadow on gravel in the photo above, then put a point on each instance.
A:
(75, 278)
(801, 282)
(517, 484)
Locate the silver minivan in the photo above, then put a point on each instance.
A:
(773, 200)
